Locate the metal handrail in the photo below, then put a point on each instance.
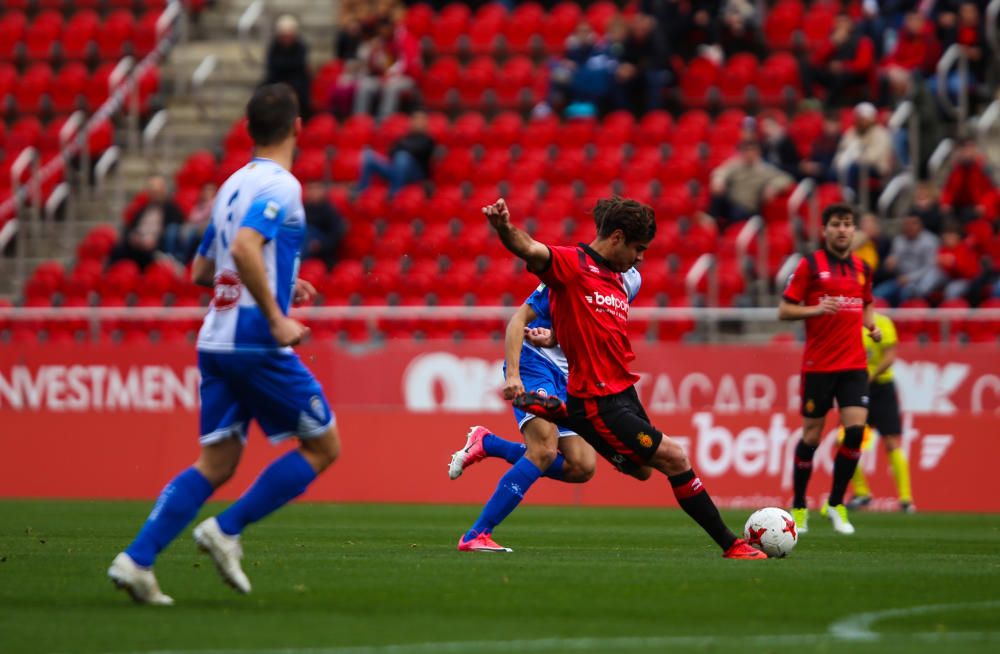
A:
(898, 185)
(786, 269)
(939, 157)
(989, 118)
(804, 191)
(905, 117)
(954, 54)
(55, 200)
(102, 170)
(992, 30)
(199, 78)
(249, 20)
(155, 128)
(753, 230)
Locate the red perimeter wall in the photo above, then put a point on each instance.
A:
(94, 421)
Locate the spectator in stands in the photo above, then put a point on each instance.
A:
(967, 194)
(958, 262)
(866, 144)
(903, 85)
(390, 65)
(584, 77)
(925, 205)
(912, 264)
(698, 26)
(153, 229)
(843, 64)
(966, 29)
(409, 159)
(743, 183)
(739, 29)
(917, 48)
(819, 164)
(324, 225)
(778, 149)
(871, 245)
(643, 71)
(197, 222)
(287, 60)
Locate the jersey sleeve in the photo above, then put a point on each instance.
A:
(208, 247)
(633, 282)
(270, 207)
(539, 302)
(798, 282)
(563, 266)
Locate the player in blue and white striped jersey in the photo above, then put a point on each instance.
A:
(250, 254)
(533, 362)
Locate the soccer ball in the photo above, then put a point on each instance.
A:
(771, 530)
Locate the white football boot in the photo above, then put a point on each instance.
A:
(137, 581)
(225, 551)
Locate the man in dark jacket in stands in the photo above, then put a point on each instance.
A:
(288, 60)
(409, 159)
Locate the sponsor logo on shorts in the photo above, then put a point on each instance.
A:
(810, 406)
(864, 400)
(645, 440)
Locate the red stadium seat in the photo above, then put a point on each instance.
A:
(655, 128)
(697, 81)
(530, 167)
(445, 204)
(600, 13)
(478, 76)
(518, 77)
(485, 28)
(737, 76)
(576, 133)
(320, 131)
(32, 88)
(440, 83)
(524, 27)
(78, 37)
(356, 132)
(115, 33)
(456, 167)
(818, 23)
(68, 87)
(390, 130)
(145, 34)
(782, 23)
(42, 35)
(13, 25)
(310, 165)
(198, 169)
(409, 204)
(450, 24)
(567, 166)
(804, 129)
(99, 87)
(468, 130)
(419, 19)
(25, 133)
(540, 132)
(559, 24)
(493, 167)
(618, 128)
(504, 130)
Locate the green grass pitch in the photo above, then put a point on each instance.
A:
(369, 579)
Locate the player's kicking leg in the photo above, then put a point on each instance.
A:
(541, 457)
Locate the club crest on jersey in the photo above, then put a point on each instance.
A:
(861, 278)
(271, 210)
(644, 439)
(227, 290)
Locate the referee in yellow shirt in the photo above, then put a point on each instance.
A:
(883, 415)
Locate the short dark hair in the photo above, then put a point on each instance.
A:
(271, 113)
(636, 220)
(839, 209)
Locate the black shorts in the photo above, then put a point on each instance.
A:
(849, 387)
(617, 427)
(883, 411)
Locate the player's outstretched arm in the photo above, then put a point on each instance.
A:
(791, 311)
(248, 256)
(535, 254)
(513, 340)
(870, 323)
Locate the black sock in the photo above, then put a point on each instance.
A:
(846, 462)
(694, 499)
(803, 470)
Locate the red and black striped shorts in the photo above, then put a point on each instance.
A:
(617, 427)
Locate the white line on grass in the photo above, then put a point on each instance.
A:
(853, 628)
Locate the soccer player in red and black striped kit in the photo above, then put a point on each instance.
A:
(831, 289)
(590, 319)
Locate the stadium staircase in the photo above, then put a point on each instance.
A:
(196, 118)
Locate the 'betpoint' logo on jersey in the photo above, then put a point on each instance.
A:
(845, 302)
(608, 300)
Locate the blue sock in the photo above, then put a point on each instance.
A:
(507, 450)
(555, 470)
(509, 493)
(280, 483)
(177, 505)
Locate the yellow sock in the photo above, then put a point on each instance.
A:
(860, 482)
(901, 473)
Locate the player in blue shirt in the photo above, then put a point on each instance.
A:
(536, 364)
(250, 254)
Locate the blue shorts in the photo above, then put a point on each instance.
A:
(542, 376)
(273, 388)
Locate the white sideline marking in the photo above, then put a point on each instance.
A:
(859, 627)
(853, 628)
